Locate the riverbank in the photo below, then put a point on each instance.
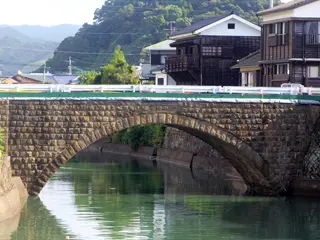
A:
(13, 197)
(179, 157)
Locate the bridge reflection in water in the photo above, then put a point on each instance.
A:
(133, 199)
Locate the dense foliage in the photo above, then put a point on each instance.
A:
(150, 135)
(118, 71)
(134, 24)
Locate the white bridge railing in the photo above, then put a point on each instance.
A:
(159, 89)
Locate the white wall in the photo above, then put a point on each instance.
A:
(278, 15)
(241, 29)
(167, 80)
(311, 10)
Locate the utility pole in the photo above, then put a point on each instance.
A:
(70, 66)
(44, 72)
(172, 28)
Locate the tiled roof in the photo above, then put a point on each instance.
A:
(65, 79)
(287, 6)
(48, 79)
(198, 25)
(158, 68)
(39, 78)
(252, 60)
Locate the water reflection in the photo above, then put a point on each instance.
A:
(129, 199)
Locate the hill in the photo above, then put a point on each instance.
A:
(134, 24)
(48, 33)
(18, 51)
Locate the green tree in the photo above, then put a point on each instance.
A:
(149, 135)
(118, 71)
(89, 77)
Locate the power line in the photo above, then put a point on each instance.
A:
(114, 33)
(68, 52)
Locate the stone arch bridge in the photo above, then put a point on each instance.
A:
(265, 142)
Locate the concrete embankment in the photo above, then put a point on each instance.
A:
(219, 166)
(13, 196)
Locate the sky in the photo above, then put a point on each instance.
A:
(48, 12)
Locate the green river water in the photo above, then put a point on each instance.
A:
(116, 198)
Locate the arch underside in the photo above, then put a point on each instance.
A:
(250, 165)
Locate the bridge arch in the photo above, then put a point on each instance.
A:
(250, 165)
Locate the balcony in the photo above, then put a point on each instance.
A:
(182, 63)
(313, 39)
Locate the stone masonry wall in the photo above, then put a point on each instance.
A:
(211, 159)
(311, 164)
(261, 140)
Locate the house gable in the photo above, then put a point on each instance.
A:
(218, 26)
(230, 26)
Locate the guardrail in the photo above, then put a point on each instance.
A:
(160, 89)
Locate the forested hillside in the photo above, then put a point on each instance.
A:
(134, 24)
(20, 52)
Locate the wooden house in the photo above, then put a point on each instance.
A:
(206, 50)
(290, 50)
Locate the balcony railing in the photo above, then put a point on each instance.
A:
(313, 39)
(182, 63)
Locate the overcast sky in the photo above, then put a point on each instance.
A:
(49, 12)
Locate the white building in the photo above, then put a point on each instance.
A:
(154, 67)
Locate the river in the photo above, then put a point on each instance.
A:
(112, 197)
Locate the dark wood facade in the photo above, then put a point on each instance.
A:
(206, 60)
(291, 52)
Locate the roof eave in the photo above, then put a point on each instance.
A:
(180, 36)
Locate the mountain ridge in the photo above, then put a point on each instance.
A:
(54, 33)
(25, 50)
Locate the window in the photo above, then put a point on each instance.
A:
(312, 31)
(211, 51)
(160, 81)
(273, 28)
(283, 32)
(180, 51)
(281, 69)
(313, 71)
(163, 59)
(231, 25)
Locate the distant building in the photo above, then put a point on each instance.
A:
(206, 50)
(154, 67)
(66, 79)
(38, 78)
(30, 79)
(291, 44)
